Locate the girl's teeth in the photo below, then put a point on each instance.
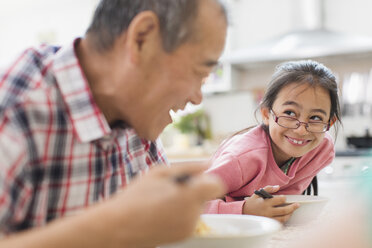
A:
(297, 141)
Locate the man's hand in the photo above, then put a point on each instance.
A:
(163, 206)
(160, 207)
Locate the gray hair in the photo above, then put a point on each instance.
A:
(112, 18)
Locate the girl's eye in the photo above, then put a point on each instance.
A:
(316, 118)
(290, 113)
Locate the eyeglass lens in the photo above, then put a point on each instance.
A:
(294, 123)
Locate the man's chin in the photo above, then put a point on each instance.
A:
(150, 133)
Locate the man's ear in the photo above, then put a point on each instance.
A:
(143, 36)
(265, 114)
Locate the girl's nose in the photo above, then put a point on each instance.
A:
(301, 129)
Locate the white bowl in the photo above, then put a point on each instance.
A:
(232, 231)
(310, 208)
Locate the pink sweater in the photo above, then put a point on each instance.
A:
(246, 163)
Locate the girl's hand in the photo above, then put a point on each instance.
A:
(274, 208)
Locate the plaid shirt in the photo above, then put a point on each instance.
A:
(58, 154)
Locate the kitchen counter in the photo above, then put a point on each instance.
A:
(289, 234)
(190, 153)
(354, 152)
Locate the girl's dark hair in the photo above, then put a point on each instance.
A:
(301, 72)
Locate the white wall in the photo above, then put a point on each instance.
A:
(25, 23)
(254, 21)
(349, 16)
(230, 113)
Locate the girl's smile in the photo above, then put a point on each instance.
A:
(297, 142)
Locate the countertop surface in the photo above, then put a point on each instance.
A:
(354, 152)
(289, 235)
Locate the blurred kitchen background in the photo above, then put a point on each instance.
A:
(262, 33)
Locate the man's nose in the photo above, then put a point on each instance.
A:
(197, 97)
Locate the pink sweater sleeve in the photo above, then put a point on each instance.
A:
(236, 170)
(222, 207)
(228, 168)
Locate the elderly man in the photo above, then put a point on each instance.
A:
(77, 123)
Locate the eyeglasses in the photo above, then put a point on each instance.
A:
(293, 123)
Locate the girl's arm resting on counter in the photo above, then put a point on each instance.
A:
(221, 207)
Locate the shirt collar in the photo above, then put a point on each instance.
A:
(88, 121)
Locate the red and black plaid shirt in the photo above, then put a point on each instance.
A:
(58, 154)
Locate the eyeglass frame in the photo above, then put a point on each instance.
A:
(276, 118)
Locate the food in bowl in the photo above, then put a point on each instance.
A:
(232, 231)
(202, 228)
(310, 208)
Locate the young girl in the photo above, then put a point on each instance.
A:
(287, 150)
